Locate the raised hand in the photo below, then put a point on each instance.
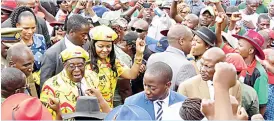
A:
(236, 16)
(220, 18)
(224, 76)
(93, 92)
(249, 24)
(81, 4)
(54, 104)
(207, 108)
(140, 46)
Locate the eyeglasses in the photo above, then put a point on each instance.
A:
(137, 30)
(57, 27)
(79, 65)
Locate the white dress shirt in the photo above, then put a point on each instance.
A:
(164, 105)
(84, 86)
(211, 89)
(173, 112)
(68, 43)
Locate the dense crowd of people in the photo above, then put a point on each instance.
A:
(137, 60)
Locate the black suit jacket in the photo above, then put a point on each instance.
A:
(52, 64)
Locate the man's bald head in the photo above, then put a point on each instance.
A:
(191, 21)
(252, 1)
(214, 54)
(265, 35)
(18, 50)
(178, 31)
(160, 70)
(141, 23)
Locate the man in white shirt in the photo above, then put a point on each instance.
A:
(249, 15)
(156, 96)
(201, 86)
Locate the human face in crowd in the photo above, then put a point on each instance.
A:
(271, 8)
(140, 29)
(103, 49)
(189, 22)
(183, 12)
(64, 5)
(24, 63)
(29, 27)
(244, 48)
(264, 24)
(148, 14)
(186, 44)
(75, 69)
(155, 87)
(207, 68)
(252, 6)
(59, 30)
(199, 46)
(80, 37)
(4, 50)
(29, 3)
(206, 19)
(4, 15)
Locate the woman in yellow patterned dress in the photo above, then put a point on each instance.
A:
(105, 63)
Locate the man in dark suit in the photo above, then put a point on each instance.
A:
(156, 96)
(77, 29)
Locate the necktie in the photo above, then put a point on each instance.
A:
(159, 111)
(79, 89)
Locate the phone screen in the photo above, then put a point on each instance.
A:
(146, 5)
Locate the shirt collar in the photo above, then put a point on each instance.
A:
(251, 67)
(165, 101)
(68, 43)
(209, 83)
(175, 50)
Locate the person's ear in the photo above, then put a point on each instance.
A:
(181, 41)
(251, 50)
(18, 25)
(17, 91)
(168, 84)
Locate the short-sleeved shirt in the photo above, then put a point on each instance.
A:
(61, 87)
(256, 77)
(108, 79)
(249, 100)
(261, 8)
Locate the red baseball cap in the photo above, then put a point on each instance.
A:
(24, 107)
(237, 60)
(255, 39)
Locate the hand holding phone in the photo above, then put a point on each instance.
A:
(236, 16)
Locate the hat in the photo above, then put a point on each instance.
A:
(131, 37)
(103, 33)
(165, 4)
(160, 46)
(237, 60)
(74, 52)
(209, 9)
(8, 5)
(124, 1)
(255, 39)
(99, 10)
(128, 112)
(86, 106)
(10, 36)
(56, 23)
(21, 106)
(206, 35)
(232, 41)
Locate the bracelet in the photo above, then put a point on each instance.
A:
(138, 60)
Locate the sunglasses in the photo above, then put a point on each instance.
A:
(137, 30)
(57, 27)
(5, 12)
